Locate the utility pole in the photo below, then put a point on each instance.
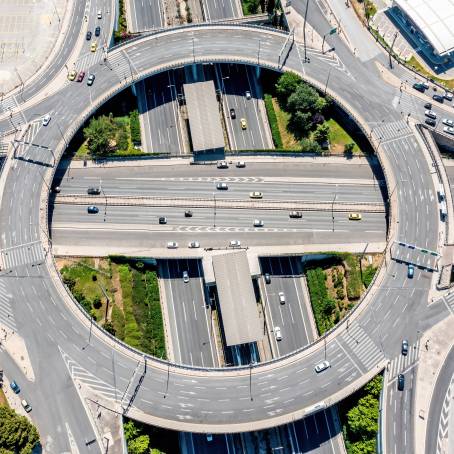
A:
(214, 211)
(327, 79)
(332, 208)
(304, 31)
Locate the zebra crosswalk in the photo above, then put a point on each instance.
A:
(119, 63)
(391, 130)
(6, 310)
(79, 374)
(449, 299)
(402, 363)
(86, 61)
(443, 426)
(362, 346)
(23, 254)
(8, 103)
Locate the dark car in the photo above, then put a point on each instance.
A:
(438, 98)
(81, 76)
(188, 214)
(430, 122)
(93, 191)
(232, 114)
(428, 105)
(400, 382)
(267, 278)
(56, 189)
(15, 387)
(92, 209)
(97, 31)
(295, 214)
(404, 349)
(163, 220)
(419, 87)
(88, 36)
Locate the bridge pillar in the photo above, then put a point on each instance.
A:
(257, 71)
(194, 72)
(134, 91)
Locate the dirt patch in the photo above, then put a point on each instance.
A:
(116, 289)
(3, 400)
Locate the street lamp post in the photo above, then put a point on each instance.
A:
(304, 31)
(327, 79)
(214, 210)
(105, 198)
(250, 381)
(332, 208)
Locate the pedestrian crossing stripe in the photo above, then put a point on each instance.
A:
(6, 310)
(24, 254)
(402, 363)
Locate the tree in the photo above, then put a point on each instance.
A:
(270, 6)
(17, 434)
(363, 447)
(99, 134)
(305, 99)
(348, 148)
(285, 86)
(139, 445)
(97, 303)
(321, 134)
(309, 146)
(363, 419)
(300, 124)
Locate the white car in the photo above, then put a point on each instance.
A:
(26, 405)
(256, 195)
(282, 297)
(320, 367)
(277, 333)
(172, 245)
(448, 122)
(185, 277)
(46, 119)
(99, 14)
(194, 245)
(430, 114)
(235, 243)
(258, 223)
(248, 94)
(448, 96)
(222, 165)
(222, 186)
(448, 130)
(241, 164)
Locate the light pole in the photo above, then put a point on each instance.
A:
(105, 198)
(304, 31)
(332, 207)
(250, 381)
(214, 210)
(89, 334)
(327, 79)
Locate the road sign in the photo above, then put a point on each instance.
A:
(333, 31)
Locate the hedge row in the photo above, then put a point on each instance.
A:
(134, 126)
(272, 119)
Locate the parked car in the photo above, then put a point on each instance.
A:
(232, 114)
(222, 165)
(185, 277)
(420, 87)
(26, 405)
(281, 297)
(81, 76)
(430, 122)
(15, 387)
(241, 164)
(428, 105)
(93, 191)
(404, 348)
(243, 124)
(448, 130)
(194, 245)
(401, 382)
(320, 367)
(188, 214)
(277, 333)
(296, 214)
(258, 223)
(438, 98)
(235, 243)
(93, 209)
(91, 79)
(410, 271)
(162, 220)
(256, 195)
(222, 186)
(46, 119)
(72, 74)
(267, 278)
(430, 114)
(355, 216)
(448, 96)
(172, 245)
(97, 31)
(88, 36)
(448, 122)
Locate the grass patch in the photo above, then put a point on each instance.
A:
(359, 415)
(339, 138)
(3, 401)
(272, 119)
(289, 141)
(134, 304)
(417, 66)
(336, 284)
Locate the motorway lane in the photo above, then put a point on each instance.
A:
(348, 359)
(146, 15)
(293, 316)
(234, 81)
(221, 9)
(189, 313)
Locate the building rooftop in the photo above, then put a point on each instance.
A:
(204, 116)
(435, 19)
(240, 318)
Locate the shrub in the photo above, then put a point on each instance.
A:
(97, 303)
(134, 126)
(275, 133)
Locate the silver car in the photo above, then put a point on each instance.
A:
(320, 367)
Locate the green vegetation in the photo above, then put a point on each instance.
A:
(359, 416)
(339, 138)
(139, 437)
(335, 285)
(122, 32)
(17, 434)
(134, 312)
(109, 135)
(134, 126)
(272, 118)
(250, 7)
